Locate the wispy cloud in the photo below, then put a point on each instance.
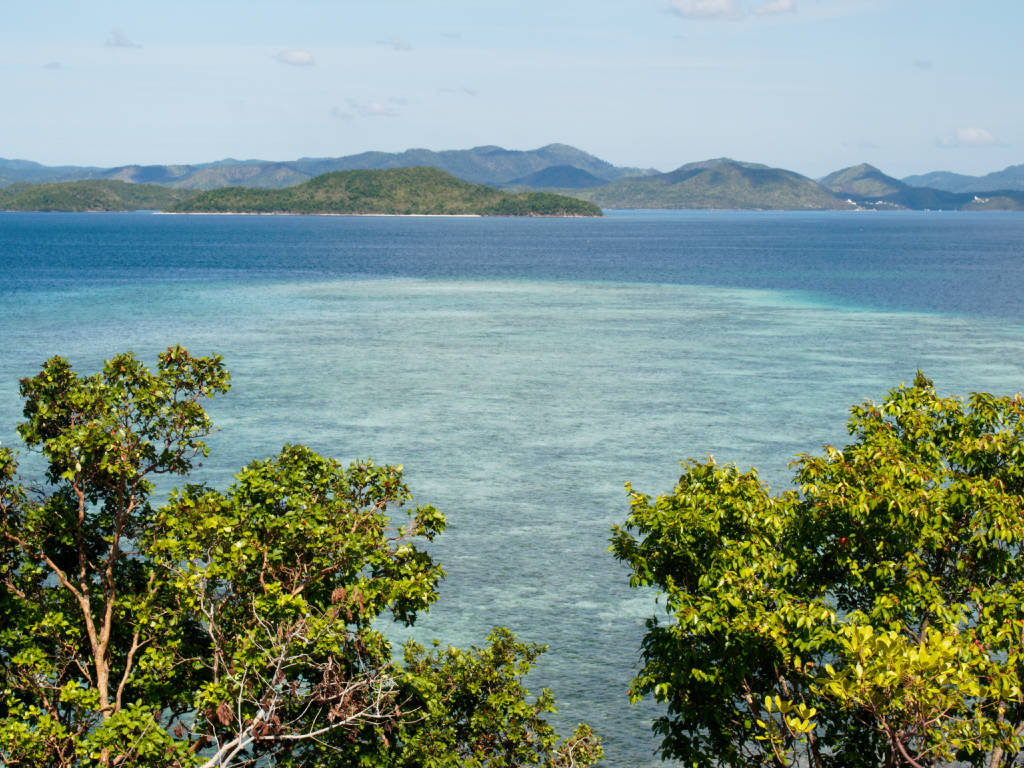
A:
(471, 92)
(295, 57)
(924, 64)
(396, 44)
(739, 10)
(118, 39)
(355, 108)
(776, 6)
(705, 9)
(971, 136)
(53, 65)
(731, 9)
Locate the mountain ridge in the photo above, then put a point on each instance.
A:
(1009, 178)
(720, 183)
(487, 164)
(868, 187)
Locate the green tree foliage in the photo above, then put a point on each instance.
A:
(476, 712)
(871, 617)
(222, 628)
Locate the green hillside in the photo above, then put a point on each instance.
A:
(89, 195)
(422, 191)
(863, 181)
(721, 183)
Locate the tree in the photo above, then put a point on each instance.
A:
(220, 628)
(872, 616)
(475, 712)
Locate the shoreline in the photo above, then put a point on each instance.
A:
(290, 213)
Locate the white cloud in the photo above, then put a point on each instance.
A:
(295, 57)
(379, 109)
(971, 136)
(118, 39)
(704, 9)
(776, 6)
(976, 137)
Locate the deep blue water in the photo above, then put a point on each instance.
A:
(523, 370)
(959, 262)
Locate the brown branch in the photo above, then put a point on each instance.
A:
(903, 751)
(129, 661)
(81, 597)
(83, 560)
(10, 586)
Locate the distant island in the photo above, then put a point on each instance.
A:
(90, 195)
(867, 187)
(717, 184)
(399, 191)
(537, 182)
(724, 183)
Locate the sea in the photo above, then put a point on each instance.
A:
(523, 370)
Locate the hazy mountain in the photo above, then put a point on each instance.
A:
(862, 181)
(419, 190)
(870, 188)
(14, 171)
(482, 165)
(720, 183)
(559, 176)
(1011, 178)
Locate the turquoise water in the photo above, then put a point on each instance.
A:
(522, 371)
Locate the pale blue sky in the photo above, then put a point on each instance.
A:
(811, 85)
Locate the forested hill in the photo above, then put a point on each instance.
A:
(409, 191)
(720, 183)
(90, 195)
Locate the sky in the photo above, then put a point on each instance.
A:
(910, 86)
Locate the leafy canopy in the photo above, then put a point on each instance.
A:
(872, 616)
(228, 628)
